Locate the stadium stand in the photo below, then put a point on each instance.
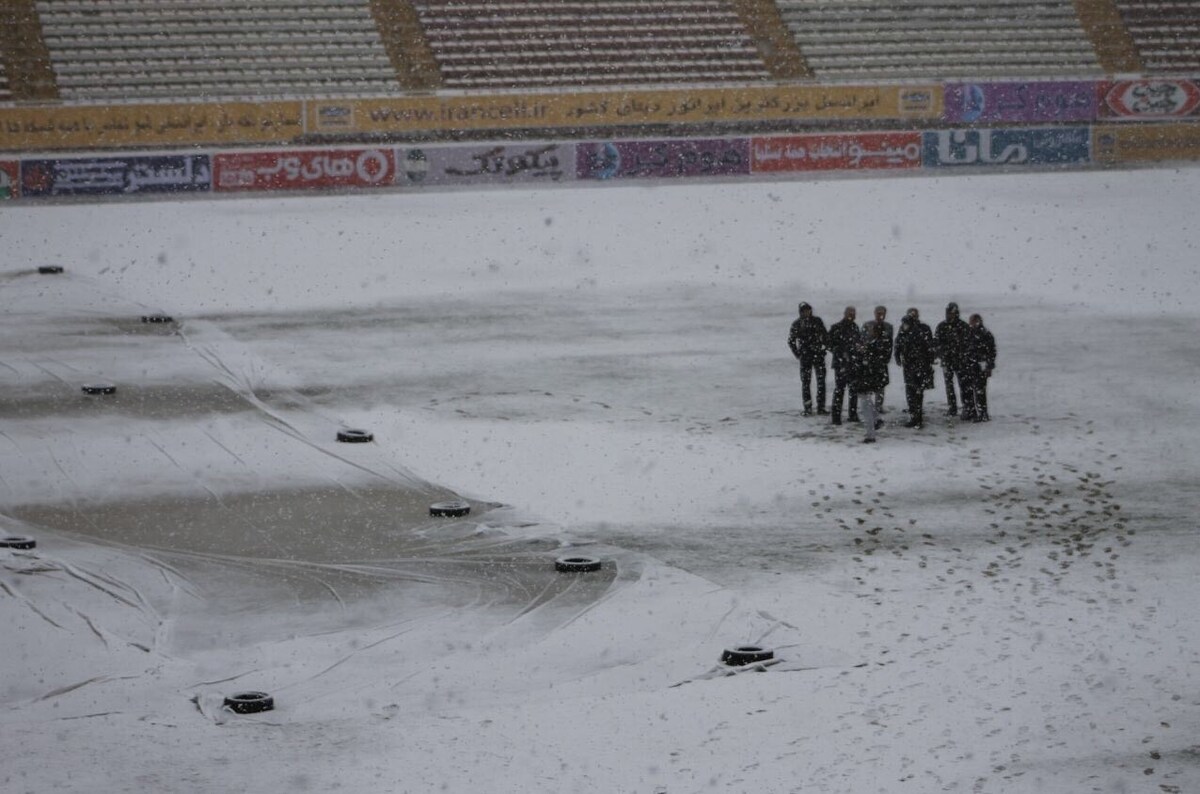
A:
(132, 50)
(138, 49)
(1166, 35)
(775, 43)
(501, 44)
(898, 39)
(25, 72)
(413, 60)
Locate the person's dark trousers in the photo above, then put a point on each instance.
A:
(981, 409)
(969, 382)
(841, 384)
(915, 396)
(951, 401)
(812, 366)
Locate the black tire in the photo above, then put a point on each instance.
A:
(99, 388)
(157, 318)
(577, 564)
(50, 270)
(17, 542)
(456, 508)
(746, 654)
(250, 702)
(355, 436)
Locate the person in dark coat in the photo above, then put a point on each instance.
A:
(915, 353)
(890, 335)
(951, 338)
(979, 361)
(808, 341)
(871, 375)
(844, 338)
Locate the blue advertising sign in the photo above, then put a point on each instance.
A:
(1007, 147)
(98, 176)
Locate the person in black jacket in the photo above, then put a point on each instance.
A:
(808, 341)
(871, 375)
(915, 353)
(951, 338)
(844, 338)
(979, 361)
(890, 335)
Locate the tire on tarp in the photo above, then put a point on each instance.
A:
(17, 542)
(250, 702)
(574, 564)
(746, 654)
(455, 508)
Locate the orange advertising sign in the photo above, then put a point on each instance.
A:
(124, 126)
(168, 125)
(1125, 143)
(620, 108)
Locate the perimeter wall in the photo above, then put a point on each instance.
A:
(742, 132)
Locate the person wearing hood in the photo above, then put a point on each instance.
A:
(844, 338)
(915, 353)
(951, 339)
(979, 361)
(808, 341)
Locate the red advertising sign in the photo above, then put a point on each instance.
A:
(1151, 99)
(852, 151)
(10, 179)
(304, 169)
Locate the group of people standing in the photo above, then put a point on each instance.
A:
(861, 357)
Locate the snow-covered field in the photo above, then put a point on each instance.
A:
(1005, 607)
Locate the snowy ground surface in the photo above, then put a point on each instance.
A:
(1007, 607)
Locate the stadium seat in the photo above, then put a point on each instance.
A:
(105, 49)
(1166, 35)
(521, 43)
(885, 39)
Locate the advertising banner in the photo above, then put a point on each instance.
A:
(622, 108)
(1141, 100)
(681, 158)
(10, 179)
(172, 125)
(837, 152)
(98, 176)
(29, 129)
(484, 164)
(1048, 101)
(1008, 147)
(1146, 143)
(303, 169)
